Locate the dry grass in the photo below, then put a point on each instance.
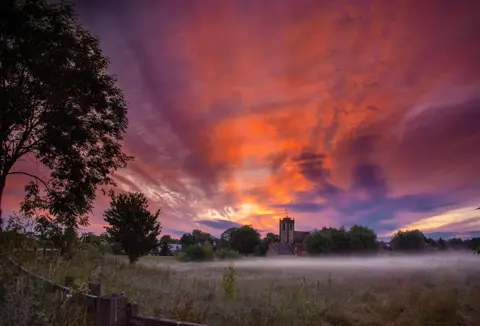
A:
(278, 293)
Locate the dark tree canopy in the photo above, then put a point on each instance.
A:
(362, 238)
(244, 239)
(410, 240)
(58, 107)
(319, 242)
(187, 239)
(272, 237)
(132, 225)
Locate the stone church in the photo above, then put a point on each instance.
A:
(291, 241)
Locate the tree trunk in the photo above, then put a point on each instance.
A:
(3, 178)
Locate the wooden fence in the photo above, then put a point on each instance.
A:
(105, 310)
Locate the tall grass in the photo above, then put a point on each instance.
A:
(197, 292)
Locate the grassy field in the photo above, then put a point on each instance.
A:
(420, 290)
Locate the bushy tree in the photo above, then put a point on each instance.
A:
(410, 240)
(340, 239)
(244, 239)
(272, 238)
(59, 106)
(48, 231)
(362, 238)
(187, 239)
(132, 225)
(319, 242)
(201, 237)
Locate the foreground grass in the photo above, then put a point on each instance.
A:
(218, 295)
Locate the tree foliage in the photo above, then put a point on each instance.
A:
(339, 241)
(362, 238)
(244, 239)
(132, 225)
(59, 106)
(319, 242)
(410, 240)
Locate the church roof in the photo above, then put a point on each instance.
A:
(283, 248)
(299, 236)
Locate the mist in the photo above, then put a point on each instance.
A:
(394, 263)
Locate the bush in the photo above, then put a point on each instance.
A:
(227, 254)
(411, 240)
(197, 253)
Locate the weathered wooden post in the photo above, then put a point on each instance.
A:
(95, 288)
(111, 310)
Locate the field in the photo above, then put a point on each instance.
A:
(414, 290)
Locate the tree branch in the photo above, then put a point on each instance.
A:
(31, 176)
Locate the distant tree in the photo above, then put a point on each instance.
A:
(187, 239)
(225, 238)
(411, 240)
(244, 239)
(19, 223)
(442, 244)
(48, 231)
(340, 239)
(362, 238)
(59, 106)
(272, 238)
(201, 237)
(132, 225)
(319, 242)
(164, 245)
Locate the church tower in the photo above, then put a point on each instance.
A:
(287, 228)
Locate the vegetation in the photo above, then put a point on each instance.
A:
(132, 225)
(338, 241)
(244, 239)
(411, 240)
(59, 106)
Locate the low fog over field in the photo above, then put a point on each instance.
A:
(302, 265)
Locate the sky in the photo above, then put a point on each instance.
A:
(342, 112)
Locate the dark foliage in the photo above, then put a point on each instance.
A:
(411, 240)
(59, 106)
(244, 239)
(132, 225)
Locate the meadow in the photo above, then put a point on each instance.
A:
(439, 289)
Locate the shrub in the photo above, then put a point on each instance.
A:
(227, 254)
(198, 253)
(229, 282)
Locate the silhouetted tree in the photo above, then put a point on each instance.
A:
(340, 239)
(362, 238)
(319, 242)
(60, 106)
(164, 242)
(132, 225)
(244, 239)
(201, 237)
(411, 240)
(187, 239)
(271, 238)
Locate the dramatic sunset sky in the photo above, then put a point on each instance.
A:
(342, 112)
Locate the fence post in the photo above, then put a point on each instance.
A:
(95, 288)
(111, 310)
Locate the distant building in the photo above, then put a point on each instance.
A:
(175, 247)
(291, 241)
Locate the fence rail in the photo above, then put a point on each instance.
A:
(111, 309)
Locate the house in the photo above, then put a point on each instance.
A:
(291, 241)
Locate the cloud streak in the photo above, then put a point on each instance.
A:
(342, 112)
